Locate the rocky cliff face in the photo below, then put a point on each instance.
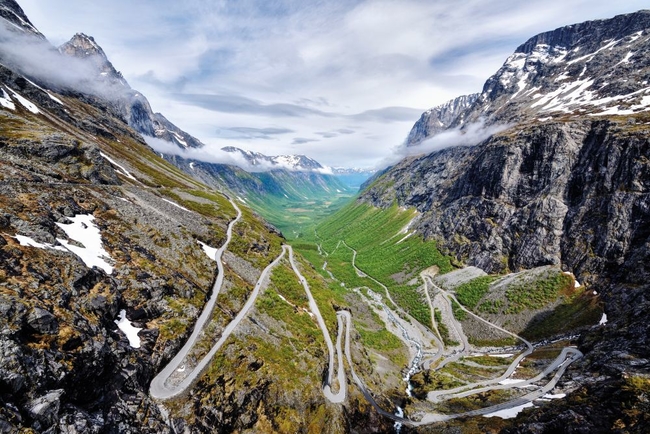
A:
(567, 182)
(15, 17)
(132, 106)
(98, 235)
(439, 118)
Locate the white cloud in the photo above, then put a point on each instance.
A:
(357, 56)
(468, 135)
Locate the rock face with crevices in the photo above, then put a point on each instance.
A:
(565, 182)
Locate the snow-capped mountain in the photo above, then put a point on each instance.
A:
(15, 18)
(287, 162)
(131, 104)
(439, 118)
(82, 46)
(595, 68)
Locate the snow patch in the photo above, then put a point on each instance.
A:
(603, 319)
(25, 102)
(175, 204)
(122, 170)
(210, 251)
(5, 101)
(556, 396)
(128, 329)
(53, 98)
(509, 413)
(84, 230)
(503, 356)
(27, 241)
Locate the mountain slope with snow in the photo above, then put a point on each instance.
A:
(565, 181)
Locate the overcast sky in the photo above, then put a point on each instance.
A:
(340, 81)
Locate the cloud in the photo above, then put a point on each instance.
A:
(238, 133)
(326, 134)
(244, 105)
(467, 135)
(320, 65)
(214, 155)
(38, 59)
(388, 114)
(301, 141)
(207, 154)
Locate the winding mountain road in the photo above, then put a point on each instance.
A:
(162, 388)
(559, 365)
(340, 396)
(159, 389)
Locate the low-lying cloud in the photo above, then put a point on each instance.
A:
(467, 135)
(215, 155)
(252, 133)
(36, 58)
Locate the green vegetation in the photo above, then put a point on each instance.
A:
(294, 202)
(252, 240)
(412, 301)
(577, 310)
(539, 292)
(458, 311)
(443, 329)
(470, 293)
(426, 381)
(475, 401)
(491, 306)
(384, 251)
(488, 360)
(381, 340)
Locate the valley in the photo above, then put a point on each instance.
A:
(493, 278)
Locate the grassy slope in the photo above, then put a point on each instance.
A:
(383, 252)
(300, 205)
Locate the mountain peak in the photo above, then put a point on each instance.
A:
(83, 46)
(595, 68)
(14, 14)
(289, 162)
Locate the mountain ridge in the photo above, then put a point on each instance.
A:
(565, 183)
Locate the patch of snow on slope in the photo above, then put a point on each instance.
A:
(603, 319)
(509, 413)
(590, 56)
(128, 329)
(175, 204)
(53, 98)
(626, 59)
(25, 102)
(122, 170)
(84, 230)
(636, 36)
(27, 241)
(5, 101)
(210, 251)
(179, 139)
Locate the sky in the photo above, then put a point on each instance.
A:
(342, 81)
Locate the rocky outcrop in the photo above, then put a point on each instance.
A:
(439, 118)
(565, 183)
(14, 14)
(570, 193)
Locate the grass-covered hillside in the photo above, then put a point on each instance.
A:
(386, 251)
